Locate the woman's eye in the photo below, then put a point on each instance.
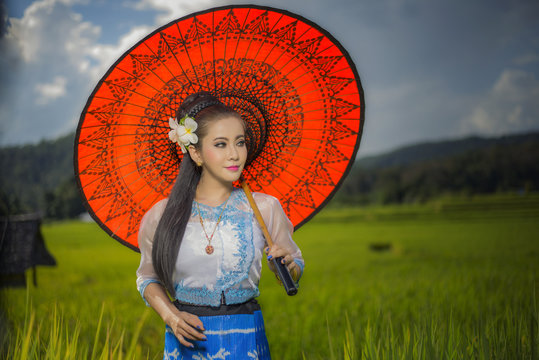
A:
(241, 143)
(220, 144)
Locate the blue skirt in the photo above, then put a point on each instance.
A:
(232, 332)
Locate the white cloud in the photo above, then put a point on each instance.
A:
(510, 106)
(171, 9)
(48, 29)
(106, 55)
(51, 91)
(52, 49)
(526, 59)
(51, 46)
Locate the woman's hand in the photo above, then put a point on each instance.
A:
(276, 251)
(185, 326)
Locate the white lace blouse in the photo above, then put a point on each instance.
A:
(233, 270)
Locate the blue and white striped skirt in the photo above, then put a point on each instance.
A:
(232, 332)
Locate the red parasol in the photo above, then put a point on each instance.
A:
(293, 83)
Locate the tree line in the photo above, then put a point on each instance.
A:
(509, 164)
(40, 178)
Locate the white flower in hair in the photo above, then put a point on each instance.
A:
(172, 134)
(186, 131)
(183, 133)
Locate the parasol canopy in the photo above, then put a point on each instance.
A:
(292, 82)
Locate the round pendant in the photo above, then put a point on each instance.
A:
(209, 249)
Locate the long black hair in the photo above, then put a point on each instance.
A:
(205, 109)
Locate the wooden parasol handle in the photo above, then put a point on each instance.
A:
(282, 270)
(258, 215)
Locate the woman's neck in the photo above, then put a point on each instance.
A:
(212, 193)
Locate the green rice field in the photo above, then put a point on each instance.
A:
(456, 278)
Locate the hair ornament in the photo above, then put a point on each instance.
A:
(183, 132)
(202, 105)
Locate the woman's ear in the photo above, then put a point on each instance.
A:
(195, 155)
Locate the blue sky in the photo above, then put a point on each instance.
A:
(431, 69)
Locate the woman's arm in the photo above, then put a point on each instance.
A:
(280, 229)
(183, 324)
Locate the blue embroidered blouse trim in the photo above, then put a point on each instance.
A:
(143, 287)
(228, 278)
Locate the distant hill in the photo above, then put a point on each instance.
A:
(426, 151)
(40, 177)
(467, 166)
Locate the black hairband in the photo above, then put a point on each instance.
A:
(204, 104)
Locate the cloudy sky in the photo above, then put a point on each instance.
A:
(431, 69)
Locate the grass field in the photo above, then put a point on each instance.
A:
(453, 279)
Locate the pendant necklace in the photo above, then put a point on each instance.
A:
(209, 247)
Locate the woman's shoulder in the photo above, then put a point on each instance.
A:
(271, 209)
(264, 196)
(149, 222)
(265, 200)
(240, 198)
(155, 212)
(159, 206)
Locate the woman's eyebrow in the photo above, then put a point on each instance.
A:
(225, 138)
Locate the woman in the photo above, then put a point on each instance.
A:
(204, 246)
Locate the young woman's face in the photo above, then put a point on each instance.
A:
(223, 150)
